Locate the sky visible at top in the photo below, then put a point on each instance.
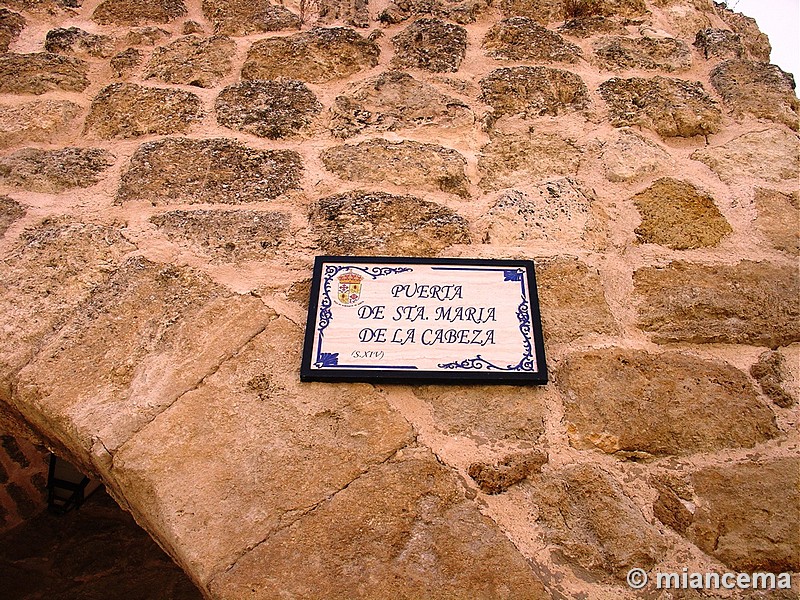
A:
(780, 20)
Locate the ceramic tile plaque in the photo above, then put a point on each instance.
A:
(423, 320)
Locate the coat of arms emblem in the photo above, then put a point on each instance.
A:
(349, 290)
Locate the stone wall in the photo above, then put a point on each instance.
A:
(168, 170)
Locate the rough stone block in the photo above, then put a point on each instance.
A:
(778, 217)
(316, 56)
(11, 24)
(38, 121)
(756, 303)
(245, 17)
(251, 450)
(78, 42)
(635, 404)
(126, 61)
(719, 43)
(392, 101)
(670, 107)
(146, 36)
(759, 89)
(10, 212)
(431, 45)
(572, 300)
(180, 170)
(520, 38)
(425, 166)
(423, 540)
(452, 10)
(586, 27)
(533, 91)
(125, 110)
(270, 109)
(775, 378)
(677, 215)
(226, 236)
(495, 478)
(134, 12)
(756, 42)
(628, 156)
(53, 171)
(41, 72)
(193, 60)
(646, 53)
(547, 11)
(356, 223)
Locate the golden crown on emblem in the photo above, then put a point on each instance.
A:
(350, 277)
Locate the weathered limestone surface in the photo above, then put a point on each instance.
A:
(126, 61)
(431, 45)
(53, 171)
(511, 160)
(11, 24)
(558, 211)
(677, 215)
(186, 171)
(403, 163)
(192, 60)
(633, 403)
(759, 89)
(670, 107)
(719, 43)
(778, 218)
(586, 27)
(270, 109)
(520, 38)
(572, 300)
(77, 42)
(41, 72)
(244, 425)
(38, 121)
(101, 378)
(315, 56)
(756, 43)
(226, 236)
(10, 211)
(593, 522)
(756, 303)
(356, 223)
(747, 514)
(487, 413)
(244, 17)
(647, 53)
(546, 11)
(533, 91)
(773, 375)
(124, 110)
(133, 12)
(424, 541)
(392, 101)
(462, 12)
(495, 478)
(146, 36)
(628, 156)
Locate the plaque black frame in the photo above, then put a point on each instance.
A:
(453, 377)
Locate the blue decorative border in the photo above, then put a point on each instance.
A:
(331, 359)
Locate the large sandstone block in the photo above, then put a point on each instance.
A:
(401, 530)
(54, 267)
(778, 216)
(10, 211)
(533, 91)
(392, 101)
(315, 56)
(193, 60)
(647, 53)
(134, 12)
(756, 303)
(139, 341)
(424, 166)
(359, 222)
(431, 45)
(11, 24)
(125, 110)
(628, 156)
(245, 17)
(515, 160)
(559, 211)
(758, 89)
(670, 107)
(755, 41)
(41, 72)
(521, 38)
(747, 515)
(487, 414)
(251, 450)
(572, 300)
(186, 171)
(77, 42)
(719, 43)
(53, 171)
(547, 11)
(38, 121)
(632, 403)
(270, 109)
(677, 215)
(591, 520)
(461, 12)
(226, 236)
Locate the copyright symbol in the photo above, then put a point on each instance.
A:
(637, 578)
